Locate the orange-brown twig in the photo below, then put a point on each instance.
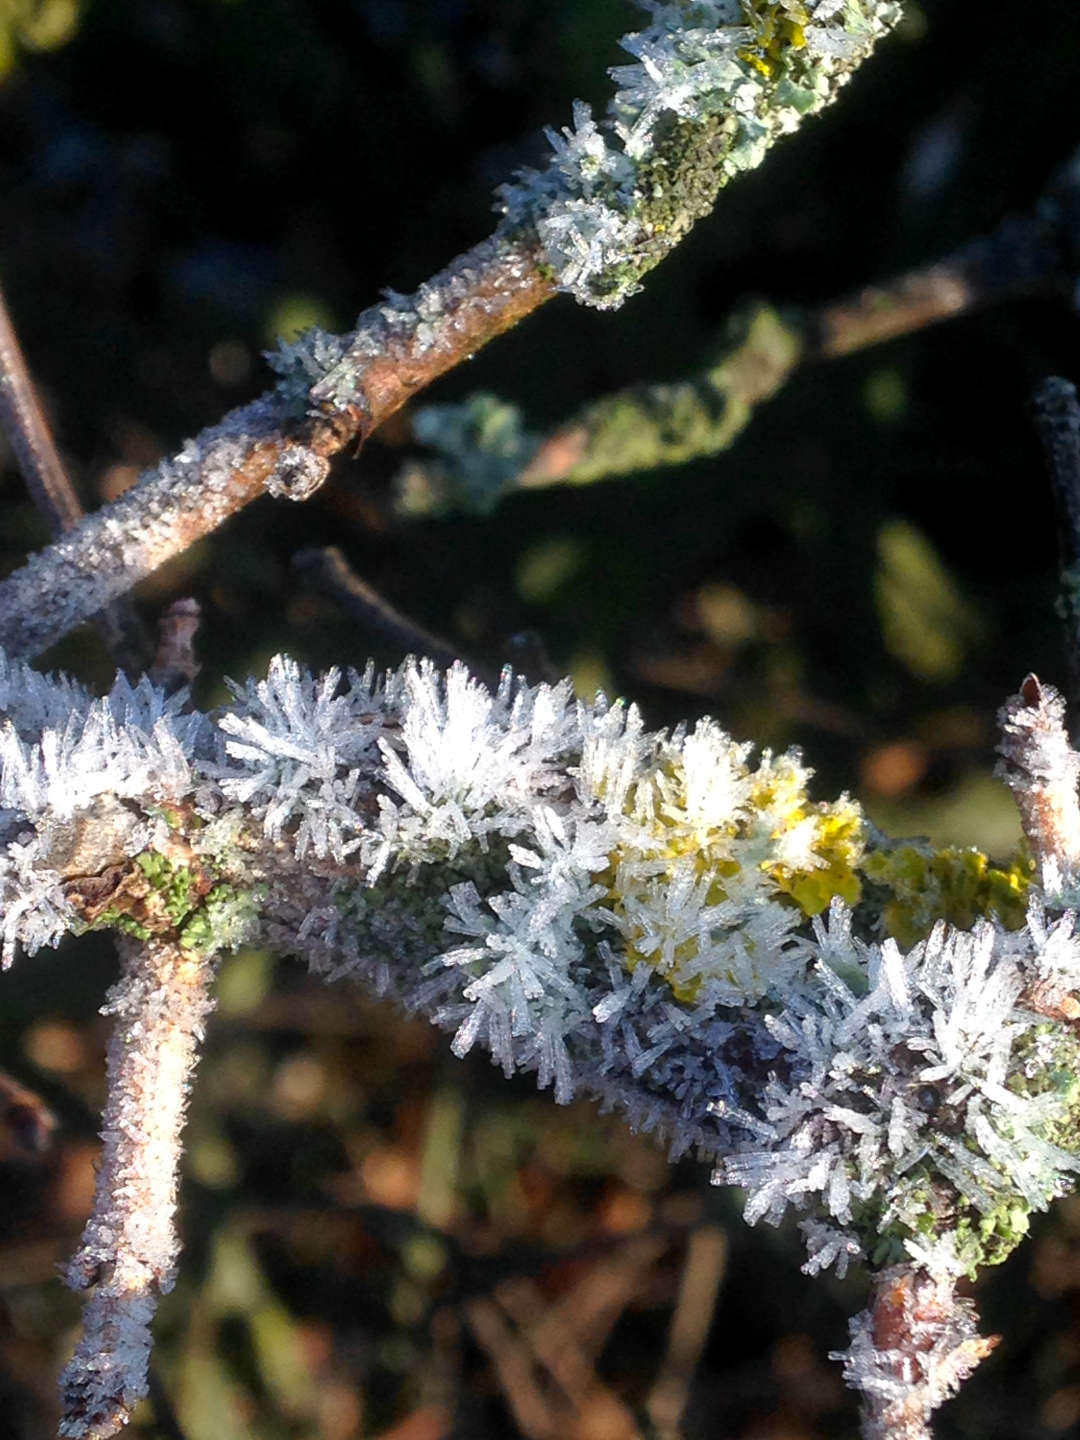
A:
(263, 446)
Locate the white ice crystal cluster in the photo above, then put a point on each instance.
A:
(623, 913)
(915, 1086)
(753, 69)
(68, 764)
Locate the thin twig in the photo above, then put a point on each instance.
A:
(535, 1416)
(1057, 419)
(175, 663)
(703, 1271)
(326, 570)
(23, 421)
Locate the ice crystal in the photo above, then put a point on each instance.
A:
(906, 1085)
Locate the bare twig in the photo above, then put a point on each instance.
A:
(23, 421)
(327, 571)
(535, 1416)
(129, 1247)
(27, 1125)
(1057, 418)
(703, 1271)
(395, 351)
(568, 1335)
(176, 663)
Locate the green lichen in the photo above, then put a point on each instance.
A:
(176, 885)
(115, 918)
(692, 158)
(648, 426)
(923, 1207)
(228, 916)
(1047, 1065)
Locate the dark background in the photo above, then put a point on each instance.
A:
(376, 1233)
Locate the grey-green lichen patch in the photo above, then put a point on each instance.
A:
(713, 84)
(301, 362)
(481, 447)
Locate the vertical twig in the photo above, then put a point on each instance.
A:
(703, 1272)
(175, 663)
(1057, 418)
(910, 1351)
(23, 421)
(129, 1248)
(1041, 768)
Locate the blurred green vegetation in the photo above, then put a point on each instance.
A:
(380, 1238)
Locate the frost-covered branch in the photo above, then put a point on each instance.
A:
(281, 443)
(711, 85)
(850, 1029)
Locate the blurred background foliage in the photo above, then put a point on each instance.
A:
(382, 1241)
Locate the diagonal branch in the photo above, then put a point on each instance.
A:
(711, 88)
(484, 450)
(264, 446)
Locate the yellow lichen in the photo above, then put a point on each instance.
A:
(778, 26)
(955, 884)
(716, 830)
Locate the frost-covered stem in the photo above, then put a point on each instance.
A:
(396, 350)
(1041, 768)
(1057, 418)
(910, 1351)
(129, 1248)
